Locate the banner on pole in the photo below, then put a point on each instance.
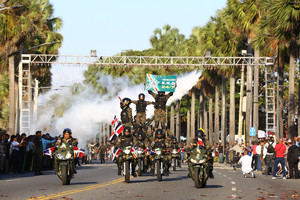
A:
(160, 83)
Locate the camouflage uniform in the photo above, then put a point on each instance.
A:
(141, 105)
(69, 146)
(160, 108)
(161, 143)
(126, 116)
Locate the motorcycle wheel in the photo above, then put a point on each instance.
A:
(64, 175)
(140, 167)
(174, 164)
(159, 175)
(197, 178)
(127, 172)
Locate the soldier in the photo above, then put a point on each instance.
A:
(160, 107)
(160, 142)
(125, 140)
(141, 105)
(126, 113)
(70, 143)
(102, 151)
(174, 145)
(201, 134)
(140, 143)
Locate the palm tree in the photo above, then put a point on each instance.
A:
(283, 23)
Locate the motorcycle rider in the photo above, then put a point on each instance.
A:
(159, 142)
(141, 105)
(200, 134)
(160, 107)
(126, 113)
(127, 139)
(175, 145)
(140, 143)
(69, 143)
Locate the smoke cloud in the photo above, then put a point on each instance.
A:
(85, 111)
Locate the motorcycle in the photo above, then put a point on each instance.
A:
(199, 167)
(140, 160)
(65, 165)
(127, 163)
(159, 163)
(175, 158)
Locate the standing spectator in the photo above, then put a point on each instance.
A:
(269, 150)
(38, 153)
(254, 157)
(246, 161)
(279, 152)
(227, 153)
(248, 148)
(293, 157)
(259, 151)
(220, 150)
(16, 156)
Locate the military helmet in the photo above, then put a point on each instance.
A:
(159, 134)
(127, 129)
(174, 139)
(67, 130)
(141, 96)
(126, 101)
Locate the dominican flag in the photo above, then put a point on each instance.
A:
(118, 129)
(114, 121)
(78, 153)
(200, 142)
(150, 152)
(49, 152)
(116, 153)
(133, 152)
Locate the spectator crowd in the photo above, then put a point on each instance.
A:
(265, 155)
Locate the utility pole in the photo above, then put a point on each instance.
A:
(12, 111)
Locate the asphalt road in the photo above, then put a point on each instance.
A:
(98, 181)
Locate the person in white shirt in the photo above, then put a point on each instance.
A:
(246, 162)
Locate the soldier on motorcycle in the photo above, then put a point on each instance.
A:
(175, 146)
(201, 135)
(67, 140)
(127, 139)
(159, 142)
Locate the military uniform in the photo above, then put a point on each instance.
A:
(125, 141)
(161, 143)
(102, 151)
(141, 111)
(160, 108)
(69, 143)
(126, 116)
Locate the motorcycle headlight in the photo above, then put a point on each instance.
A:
(140, 152)
(69, 155)
(158, 152)
(127, 151)
(59, 156)
(174, 151)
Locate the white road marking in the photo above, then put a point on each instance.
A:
(233, 196)
(232, 182)
(224, 175)
(233, 188)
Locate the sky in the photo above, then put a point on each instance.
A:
(113, 26)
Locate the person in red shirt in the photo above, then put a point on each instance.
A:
(254, 157)
(279, 151)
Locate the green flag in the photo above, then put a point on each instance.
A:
(160, 83)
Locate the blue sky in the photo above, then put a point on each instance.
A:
(112, 26)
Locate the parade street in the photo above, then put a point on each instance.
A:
(97, 181)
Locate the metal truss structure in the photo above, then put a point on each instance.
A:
(25, 90)
(146, 60)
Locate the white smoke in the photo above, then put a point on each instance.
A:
(88, 109)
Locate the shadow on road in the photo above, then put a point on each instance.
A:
(83, 183)
(153, 179)
(214, 186)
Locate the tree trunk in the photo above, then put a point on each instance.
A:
(223, 121)
(210, 123)
(193, 129)
(280, 90)
(241, 118)
(255, 95)
(232, 110)
(201, 110)
(291, 104)
(205, 119)
(12, 98)
(217, 113)
(172, 122)
(178, 120)
(188, 127)
(249, 102)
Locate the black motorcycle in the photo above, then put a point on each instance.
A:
(65, 159)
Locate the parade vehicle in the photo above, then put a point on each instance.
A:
(175, 153)
(199, 166)
(159, 168)
(65, 158)
(127, 162)
(140, 157)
